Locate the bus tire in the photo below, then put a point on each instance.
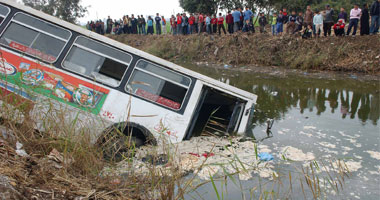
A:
(120, 140)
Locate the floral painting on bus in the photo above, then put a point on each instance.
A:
(20, 74)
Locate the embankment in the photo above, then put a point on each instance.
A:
(347, 54)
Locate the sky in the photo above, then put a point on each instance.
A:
(100, 9)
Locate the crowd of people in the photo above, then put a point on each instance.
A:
(310, 23)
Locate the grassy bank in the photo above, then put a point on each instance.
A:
(348, 54)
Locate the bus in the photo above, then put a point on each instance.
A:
(105, 85)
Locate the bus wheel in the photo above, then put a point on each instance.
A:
(117, 146)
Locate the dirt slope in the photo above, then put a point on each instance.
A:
(349, 54)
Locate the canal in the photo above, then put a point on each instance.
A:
(334, 118)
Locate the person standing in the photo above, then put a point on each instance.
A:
(179, 24)
(192, 23)
(262, 22)
(163, 21)
(208, 24)
(274, 23)
(221, 24)
(150, 25)
(364, 21)
(230, 22)
(280, 25)
(343, 15)
(375, 17)
(109, 25)
(299, 22)
(291, 23)
(173, 25)
(196, 22)
(139, 22)
(201, 23)
(134, 24)
(318, 22)
(355, 15)
(236, 15)
(328, 21)
(285, 19)
(248, 14)
(308, 17)
(158, 24)
(143, 24)
(214, 24)
(185, 24)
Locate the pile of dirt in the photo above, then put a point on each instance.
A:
(348, 54)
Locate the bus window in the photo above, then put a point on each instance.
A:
(98, 61)
(159, 85)
(4, 11)
(35, 37)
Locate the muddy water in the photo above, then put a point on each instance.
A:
(328, 118)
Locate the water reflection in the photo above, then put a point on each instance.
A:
(364, 106)
(277, 95)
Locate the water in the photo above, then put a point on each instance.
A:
(331, 118)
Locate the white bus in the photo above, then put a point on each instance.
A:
(105, 84)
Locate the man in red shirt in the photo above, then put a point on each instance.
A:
(191, 23)
(179, 24)
(214, 23)
(221, 24)
(339, 28)
(230, 22)
(201, 23)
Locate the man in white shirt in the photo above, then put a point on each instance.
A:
(355, 15)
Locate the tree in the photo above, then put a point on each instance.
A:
(202, 6)
(68, 10)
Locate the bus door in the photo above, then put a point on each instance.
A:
(216, 114)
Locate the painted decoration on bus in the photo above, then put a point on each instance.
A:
(24, 75)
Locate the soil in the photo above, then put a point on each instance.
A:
(360, 54)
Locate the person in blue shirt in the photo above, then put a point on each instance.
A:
(150, 25)
(248, 14)
(248, 25)
(236, 15)
(158, 24)
(208, 24)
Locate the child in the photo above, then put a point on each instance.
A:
(339, 28)
(274, 22)
(280, 25)
(308, 32)
(318, 22)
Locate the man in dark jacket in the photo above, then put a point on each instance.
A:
(328, 20)
(158, 24)
(263, 22)
(375, 17)
(230, 22)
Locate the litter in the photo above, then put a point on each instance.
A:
(265, 157)
(21, 152)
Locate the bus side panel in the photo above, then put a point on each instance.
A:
(161, 122)
(47, 88)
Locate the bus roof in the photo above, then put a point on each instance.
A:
(217, 84)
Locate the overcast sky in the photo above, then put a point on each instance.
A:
(100, 9)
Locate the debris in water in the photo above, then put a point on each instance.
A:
(374, 154)
(265, 156)
(295, 154)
